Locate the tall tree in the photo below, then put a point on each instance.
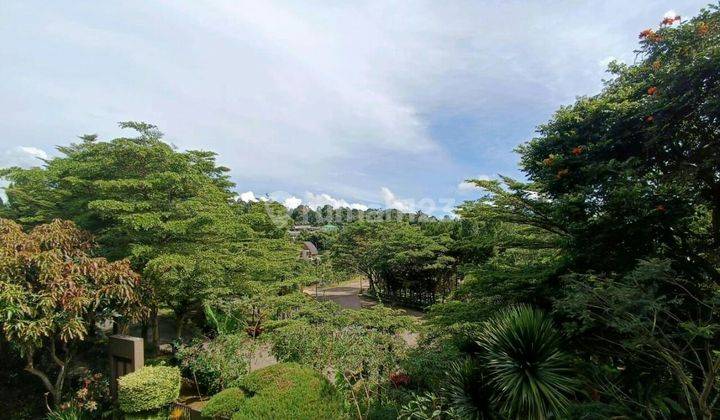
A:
(149, 202)
(617, 228)
(53, 292)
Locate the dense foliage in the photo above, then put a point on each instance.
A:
(216, 364)
(402, 262)
(170, 212)
(225, 403)
(288, 390)
(150, 388)
(53, 292)
(617, 230)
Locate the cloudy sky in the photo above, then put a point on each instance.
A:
(365, 103)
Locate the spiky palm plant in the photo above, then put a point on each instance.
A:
(465, 390)
(530, 375)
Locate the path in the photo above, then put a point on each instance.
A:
(347, 295)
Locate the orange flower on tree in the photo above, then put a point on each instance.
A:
(646, 33)
(649, 118)
(652, 90)
(656, 65)
(577, 150)
(562, 173)
(548, 161)
(670, 20)
(650, 35)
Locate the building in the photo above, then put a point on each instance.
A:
(309, 251)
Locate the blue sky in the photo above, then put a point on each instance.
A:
(372, 103)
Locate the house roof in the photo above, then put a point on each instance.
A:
(310, 247)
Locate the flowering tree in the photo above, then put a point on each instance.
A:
(52, 293)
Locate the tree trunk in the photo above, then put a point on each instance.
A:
(55, 390)
(144, 331)
(179, 323)
(92, 327)
(155, 328)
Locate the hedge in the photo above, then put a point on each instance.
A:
(149, 388)
(225, 403)
(288, 390)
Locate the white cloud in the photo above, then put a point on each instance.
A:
(312, 200)
(22, 156)
(301, 96)
(323, 199)
(671, 14)
(393, 202)
(292, 202)
(466, 186)
(248, 197)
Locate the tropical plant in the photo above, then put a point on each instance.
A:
(69, 413)
(529, 374)
(466, 391)
(427, 406)
(223, 322)
(170, 212)
(53, 293)
(216, 364)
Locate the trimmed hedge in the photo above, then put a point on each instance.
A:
(225, 403)
(149, 388)
(289, 391)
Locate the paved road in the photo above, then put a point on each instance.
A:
(347, 295)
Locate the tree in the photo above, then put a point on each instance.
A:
(398, 259)
(53, 292)
(653, 324)
(636, 168)
(148, 202)
(617, 229)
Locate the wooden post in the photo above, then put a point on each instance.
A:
(126, 356)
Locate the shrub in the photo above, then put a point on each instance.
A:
(225, 403)
(465, 390)
(288, 390)
(216, 364)
(426, 406)
(427, 364)
(150, 388)
(531, 376)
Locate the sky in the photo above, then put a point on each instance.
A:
(361, 104)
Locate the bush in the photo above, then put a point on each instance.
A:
(225, 403)
(426, 365)
(150, 388)
(525, 365)
(216, 364)
(288, 390)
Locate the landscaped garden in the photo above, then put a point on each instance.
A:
(589, 291)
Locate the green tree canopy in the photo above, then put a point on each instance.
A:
(53, 292)
(171, 212)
